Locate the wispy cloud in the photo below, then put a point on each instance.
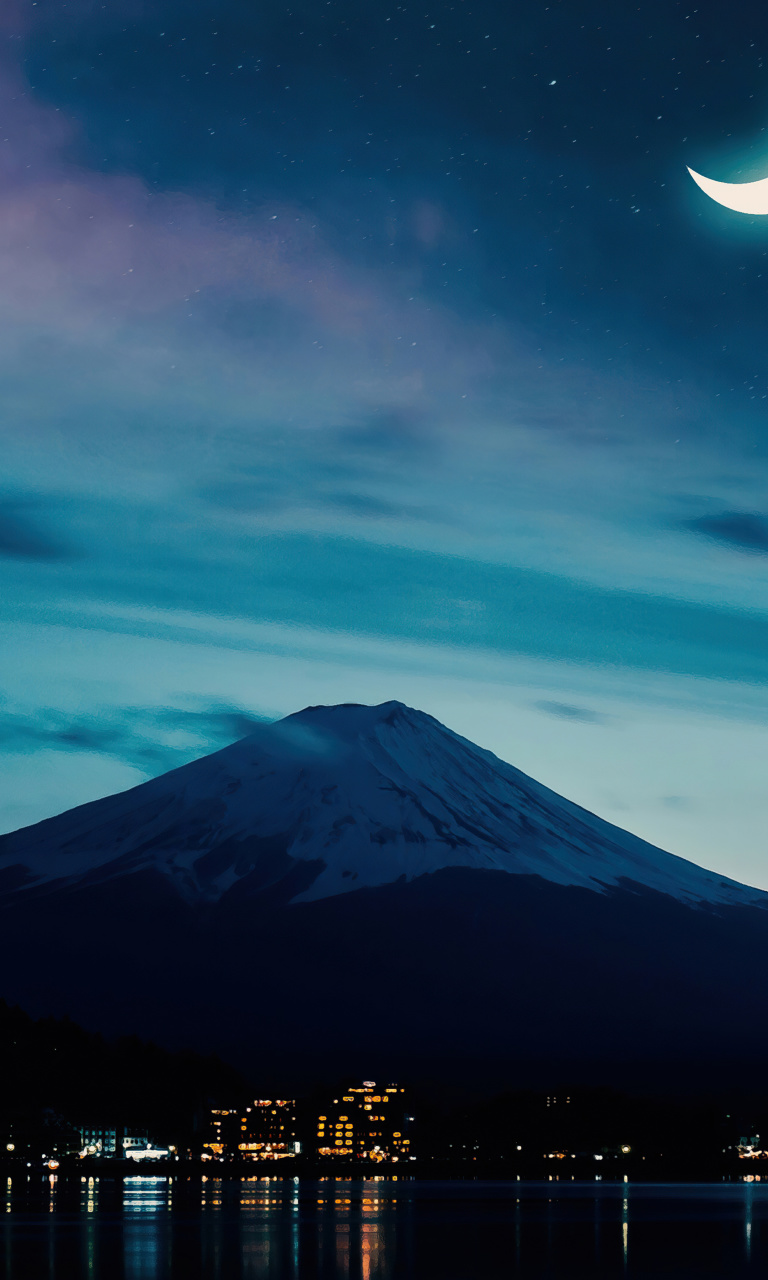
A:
(741, 529)
(567, 711)
(152, 739)
(21, 536)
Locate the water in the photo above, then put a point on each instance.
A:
(146, 1228)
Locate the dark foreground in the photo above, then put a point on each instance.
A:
(158, 1228)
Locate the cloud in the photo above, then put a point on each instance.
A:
(152, 739)
(566, 711)
(247, 496)
(741, 529)
(401, 432)
(19, 538)
(46, 728)
(218, 721)
(92, 259)
(367, 505)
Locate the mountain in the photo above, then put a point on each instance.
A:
(364, 796)
(54, 1065)
(359, 888)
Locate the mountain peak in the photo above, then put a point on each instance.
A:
(342, 798)
(351, 719)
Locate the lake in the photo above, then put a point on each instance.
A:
(147, 1228)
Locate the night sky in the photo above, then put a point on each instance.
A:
(353, 351)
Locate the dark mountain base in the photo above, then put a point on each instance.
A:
(470, 980)
(54, 1072)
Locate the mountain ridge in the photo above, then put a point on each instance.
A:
(369, 795)
(486, 932)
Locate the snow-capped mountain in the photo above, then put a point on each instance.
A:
(368, 796)
(359, 891)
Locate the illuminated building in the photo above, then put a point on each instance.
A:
(97, 1140)
(149, 1152)
(366, 1122)
(266, 1130)
(223, 1135)
(134, 1139)
(749, 1148)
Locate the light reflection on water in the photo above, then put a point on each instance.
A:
(162, 1228)
(146, 1202)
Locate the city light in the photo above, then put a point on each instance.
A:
(370, 1127)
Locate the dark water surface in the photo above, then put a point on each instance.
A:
(280, 1229)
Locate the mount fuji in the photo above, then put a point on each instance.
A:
(360, 889)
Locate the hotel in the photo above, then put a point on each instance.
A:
(266, 1130)
(366, 1122)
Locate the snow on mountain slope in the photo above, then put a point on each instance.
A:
(369, 795)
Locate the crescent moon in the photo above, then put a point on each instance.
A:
(743, 197)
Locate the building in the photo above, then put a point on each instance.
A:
(98, 1140)
(134, 1140)
(266, 1130)
(749, 1148)
(149, 1152)
(366, 1122)
(110, 1142)
(222, 1135)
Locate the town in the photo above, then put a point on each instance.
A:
(367, 1129)
(362, 1123)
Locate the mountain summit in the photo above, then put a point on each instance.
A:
(362, 797)
(359, 891)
